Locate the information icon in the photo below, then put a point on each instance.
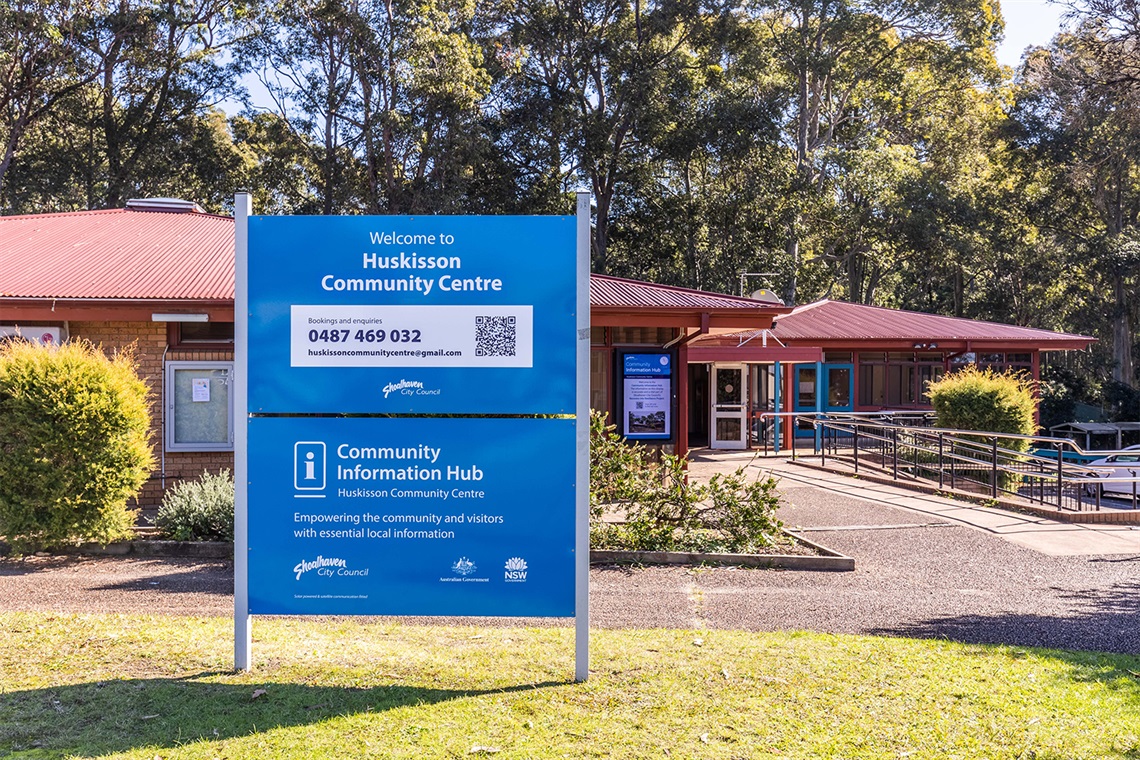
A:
(309, 466)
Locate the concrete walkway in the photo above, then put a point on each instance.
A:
(1040, 534)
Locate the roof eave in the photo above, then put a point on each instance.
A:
(111, 309)
(626, 316)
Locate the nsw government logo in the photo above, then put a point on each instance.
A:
(515, 570)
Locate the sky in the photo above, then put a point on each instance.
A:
(1027, 22)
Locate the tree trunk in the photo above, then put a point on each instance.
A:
(1122, 368)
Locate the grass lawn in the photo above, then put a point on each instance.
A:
(147, 687)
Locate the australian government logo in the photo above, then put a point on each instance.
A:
(515, 570)
(463, 570)
(327, 567)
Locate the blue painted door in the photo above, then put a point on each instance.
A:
(838, 387)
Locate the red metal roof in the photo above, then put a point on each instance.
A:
(620, 293)
(841, 321)
(117, 254)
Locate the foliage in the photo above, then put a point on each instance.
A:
(869, 152)
(641, 504)
(984, 400)
(199, 510)
(74, 427)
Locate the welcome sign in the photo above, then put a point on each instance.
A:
(398, 315)
(416, 433)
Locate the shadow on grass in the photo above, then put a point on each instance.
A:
(1100, 620)
(117, 716)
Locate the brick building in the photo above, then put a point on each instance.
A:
(159, 275)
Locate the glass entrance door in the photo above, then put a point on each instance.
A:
(728, 429)
(839, 379)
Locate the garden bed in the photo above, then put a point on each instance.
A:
(797, 553)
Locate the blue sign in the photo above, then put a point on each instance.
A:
(376, 516)
(657, 365)
(398, 315)
(647, 397)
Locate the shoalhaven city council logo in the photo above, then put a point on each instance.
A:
(326, 567)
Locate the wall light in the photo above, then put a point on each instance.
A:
(179, 317)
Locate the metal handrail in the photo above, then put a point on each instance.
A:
(965, 458)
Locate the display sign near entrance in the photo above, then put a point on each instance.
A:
(472, 315)
(647, 396)
(415, 395)
(411, 516)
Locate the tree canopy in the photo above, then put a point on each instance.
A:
(875, 152)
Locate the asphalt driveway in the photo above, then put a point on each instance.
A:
(917, 574)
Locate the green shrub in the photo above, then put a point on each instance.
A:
(199, 510)
(74, 428)
(984, 400)
(664, 511)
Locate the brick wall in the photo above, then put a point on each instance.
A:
(151, 353)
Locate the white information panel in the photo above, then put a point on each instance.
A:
(423, 336)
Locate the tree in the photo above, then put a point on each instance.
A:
(162, 67)
(43, 60)
(1082, 128)
(843, 61)
(586, 72)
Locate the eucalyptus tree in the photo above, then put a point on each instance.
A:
(386, 91)
(700, 204)
(1080, 122)
(303, 53)
(163, 65)
(43, 60)
(847, 65)
(582, 74)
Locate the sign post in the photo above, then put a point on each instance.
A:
(416, 440)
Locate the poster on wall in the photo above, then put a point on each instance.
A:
(647, 396)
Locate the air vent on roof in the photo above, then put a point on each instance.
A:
(169, 205)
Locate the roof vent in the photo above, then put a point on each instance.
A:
(169, 205)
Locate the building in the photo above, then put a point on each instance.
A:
(671, 366)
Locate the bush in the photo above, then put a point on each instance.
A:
(984, 400)
(74, 428)
(665, 511)
(199, 510)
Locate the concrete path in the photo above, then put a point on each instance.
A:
(1040, 534)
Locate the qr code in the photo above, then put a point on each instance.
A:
(495, 336)
(640, 404)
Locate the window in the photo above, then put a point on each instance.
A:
(897, 379)
(600, 361)
(211, 334)
(646, 336)
(199, 413)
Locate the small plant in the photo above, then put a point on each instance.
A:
(988, 401)
(199, 510)
(657, 507)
